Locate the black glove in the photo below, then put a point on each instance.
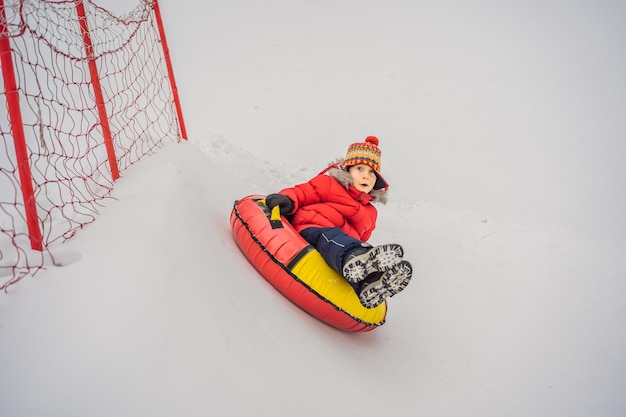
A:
(284, 202)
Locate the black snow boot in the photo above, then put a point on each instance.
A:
(364, 262)
(381, 285)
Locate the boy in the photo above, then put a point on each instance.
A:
(334, 213)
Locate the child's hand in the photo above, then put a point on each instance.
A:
(284, 202)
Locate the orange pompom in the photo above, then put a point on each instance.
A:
(372, 139)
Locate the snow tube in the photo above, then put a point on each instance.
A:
(297, 270)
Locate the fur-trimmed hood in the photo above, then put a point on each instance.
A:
(336, 171)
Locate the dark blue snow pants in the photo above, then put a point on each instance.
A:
(333, 244)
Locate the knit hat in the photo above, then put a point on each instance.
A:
(367, 153)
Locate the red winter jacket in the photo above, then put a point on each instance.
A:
(330, 200)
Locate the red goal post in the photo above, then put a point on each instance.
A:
(84, 95)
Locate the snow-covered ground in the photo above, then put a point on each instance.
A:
(502, 131)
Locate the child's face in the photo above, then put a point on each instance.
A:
(363, 177)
